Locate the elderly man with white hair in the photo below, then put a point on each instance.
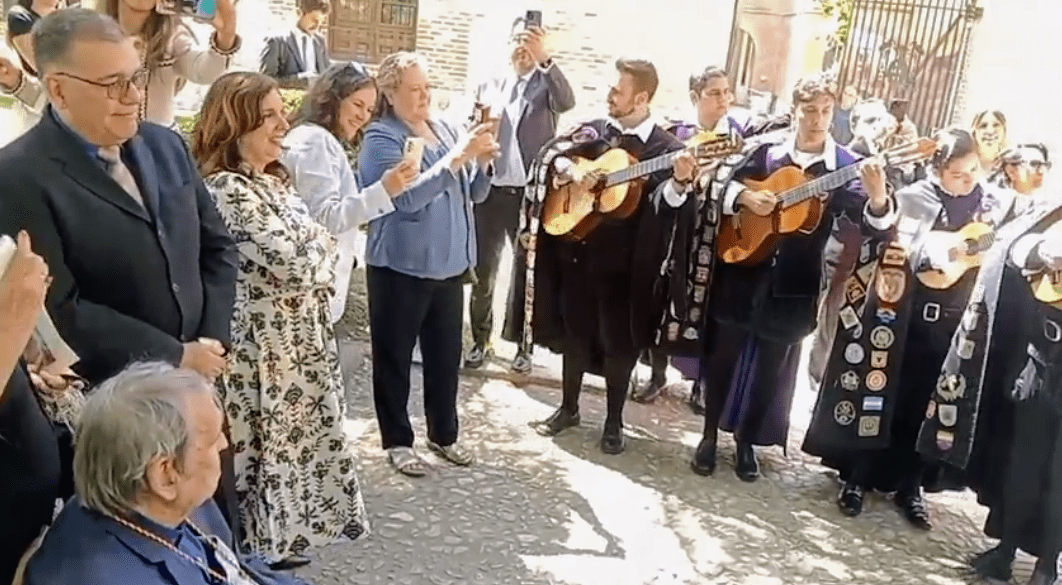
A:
(145, 467)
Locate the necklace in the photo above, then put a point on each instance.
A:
(199, 563)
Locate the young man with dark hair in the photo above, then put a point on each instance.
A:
(593, 300)
(296, 57)
(771, 305)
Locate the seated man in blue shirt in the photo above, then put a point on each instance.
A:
(145, 467)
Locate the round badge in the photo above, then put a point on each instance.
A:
(882, 337)
(854, 353)
(844, 413)
(850, 381)
(876, 380)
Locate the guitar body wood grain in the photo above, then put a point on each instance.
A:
(748, 239)
(1047, 288)
(571, 211)
(958, 242)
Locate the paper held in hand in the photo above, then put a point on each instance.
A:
(58, 357)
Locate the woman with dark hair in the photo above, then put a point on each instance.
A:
(320, 146)
(283, 390)
(989, 129)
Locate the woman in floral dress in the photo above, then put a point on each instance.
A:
(283, 390)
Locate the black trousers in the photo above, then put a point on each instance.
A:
(726, 345)
(497, 221)
(616, 368)
(403, 308)
(659, 362)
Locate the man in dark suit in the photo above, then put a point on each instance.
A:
(297, 57)
(144, 267)
(528, 101)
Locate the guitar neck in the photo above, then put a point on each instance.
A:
(642, 169)
(823, 184)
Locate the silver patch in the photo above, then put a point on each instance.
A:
(850, 381)
(882, 337)
(848, 317)
(854, 353)
(951, 387)
(869, 426)
(844, 413)
(949, 414)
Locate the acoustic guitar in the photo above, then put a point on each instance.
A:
(747, 239)
(1047, 285)
(966, 249)
(572, 210)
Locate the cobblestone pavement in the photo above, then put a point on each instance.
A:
(549, 511)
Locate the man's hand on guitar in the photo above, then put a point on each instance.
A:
(759, 202)
(873, 176)
(684, 167)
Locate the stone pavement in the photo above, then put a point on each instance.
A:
(551, 511)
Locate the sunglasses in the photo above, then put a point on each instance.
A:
(1038, 165)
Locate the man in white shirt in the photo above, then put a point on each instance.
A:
(297, 57)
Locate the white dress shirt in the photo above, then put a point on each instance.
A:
(306, 49)
(323, 178)
(513, 173)
(805, 160)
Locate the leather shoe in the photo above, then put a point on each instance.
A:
(649, 392)
(477, 356)
(992, 567)
(521, 364)
(703, 462)
(558, 421)
(747, 468)
(612, 442)
(913, 508)
(850, 500)
(289, 563)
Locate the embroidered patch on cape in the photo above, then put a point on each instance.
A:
(882, 337)
(876, 380)
(891, 284)
(844, 413)
(951, 387)
(850, 381)
(854, 353)
(869, 426)
(949, 414)
(873, 403)
(879, 359)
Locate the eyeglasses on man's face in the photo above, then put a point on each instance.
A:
(115, 89)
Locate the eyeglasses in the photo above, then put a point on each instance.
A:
(1038, 165)
(115, 89)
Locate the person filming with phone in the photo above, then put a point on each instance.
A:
(419, 256)
(528, 99)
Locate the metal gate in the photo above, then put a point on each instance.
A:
(910, 49)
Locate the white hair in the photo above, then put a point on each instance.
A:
(129, 421)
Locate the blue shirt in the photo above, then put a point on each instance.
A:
(92, 150)
(186, 540)
(432, 233)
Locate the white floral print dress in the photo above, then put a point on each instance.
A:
(283, 391)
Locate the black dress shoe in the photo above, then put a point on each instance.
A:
(913, 508)
(992, 566)
(650, 392)
(477, 356)
(703, 462)
(558, 421)
(747, 469)
(612, 442)
(289, 563)
(850, 500)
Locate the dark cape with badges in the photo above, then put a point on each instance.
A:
(890, 344)
(602, 287)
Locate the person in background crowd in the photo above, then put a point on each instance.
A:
(324, 132)
(171, 55)
(284, 389)
(20, 20)
(418, 257)
(30, 467)
(598, 307)
(296, 57)
(841, 130)
(1022, 169)
(772, 305)
(146, 463)
(946, 202)
(989, 129)
(117, 201)
(528, 101)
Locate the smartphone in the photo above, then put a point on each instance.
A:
(481, 114)
(414, 149)
(533, 19)
(200, 10)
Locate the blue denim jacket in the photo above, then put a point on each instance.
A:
(432, 232)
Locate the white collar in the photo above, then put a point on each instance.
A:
(722, 127)
(828, 156)
(643, 131)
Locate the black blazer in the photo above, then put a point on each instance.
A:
(129, 284)
(282, 60)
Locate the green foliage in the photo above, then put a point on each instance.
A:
(842, 10)
(292, 101)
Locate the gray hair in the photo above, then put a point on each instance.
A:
(389, 77)
(56, 33)
(130, 420)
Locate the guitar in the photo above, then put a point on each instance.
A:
(966, 248)
(1047, 285)
(572, 210)
(746, 238)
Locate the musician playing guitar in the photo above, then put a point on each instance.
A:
(590, 293)
(772, 304)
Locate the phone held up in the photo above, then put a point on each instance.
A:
(199, 10)
(414, 149)
(481, 114)
(533, 19)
